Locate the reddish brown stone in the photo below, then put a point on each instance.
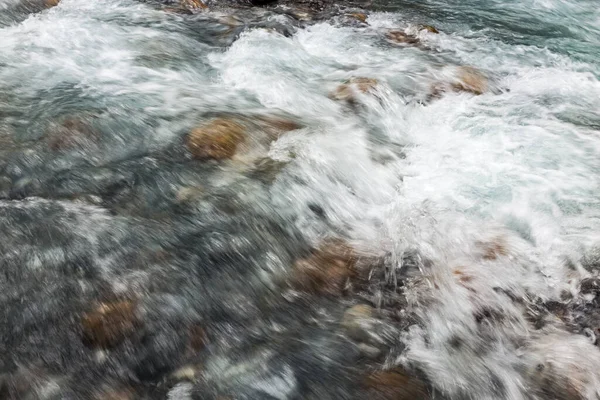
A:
(278, 125)
(348, 90)
(362, 17)
(467, 79)
(471, 80)
(397, 384)
(197, 338)
(428, 28)
(109, 324)
(327, 270)
(193, 4)
(218, 140)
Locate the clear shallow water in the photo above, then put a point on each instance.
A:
(482, 208)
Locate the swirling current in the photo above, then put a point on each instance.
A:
(387, 199)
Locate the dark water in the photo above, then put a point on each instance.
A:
(385, 240)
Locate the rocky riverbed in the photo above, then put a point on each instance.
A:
(299, 200)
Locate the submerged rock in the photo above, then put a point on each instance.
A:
(428, 28)
(563, 366)
(187, 7)
(401, 37)
(193, 4)
(470, 80)
(361, 17)
(109, 324)
(216, 140)
(396, 384)
(243, 139)
(464, 79)
(274, 126)
(188, 194)
(327, 270)
(197, 338)
(494, 248)
(267, 169)
(357, 321)
(349, 90)
(356, 19)
(72, 132)
(37, 5)
(28, 384)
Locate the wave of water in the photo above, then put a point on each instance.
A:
(484, 208)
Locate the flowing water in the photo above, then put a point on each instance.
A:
(474, 219)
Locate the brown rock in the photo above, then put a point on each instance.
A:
(218, 140)
(276, 126)
(72, 132)
(362, 17)
(51, 3)
(401, 37)
(428, 28)
(364, 85)
(356, 321)
(555, 385)
(461, 276)
(327, 270)
(192, 5)
(494, 248)
(397, 384)
(348, 90)
(197, 338)
(301, 13)
(281, 124)
(189, 193)
(467, 79)
(437, 91)
(470, 80)
(109, 324)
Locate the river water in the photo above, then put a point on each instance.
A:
(474, 219)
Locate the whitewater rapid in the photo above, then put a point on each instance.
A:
(496, 193)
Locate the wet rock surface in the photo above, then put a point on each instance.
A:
(396, 384)
(109, 324)
(217, 140)
(402, 37)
